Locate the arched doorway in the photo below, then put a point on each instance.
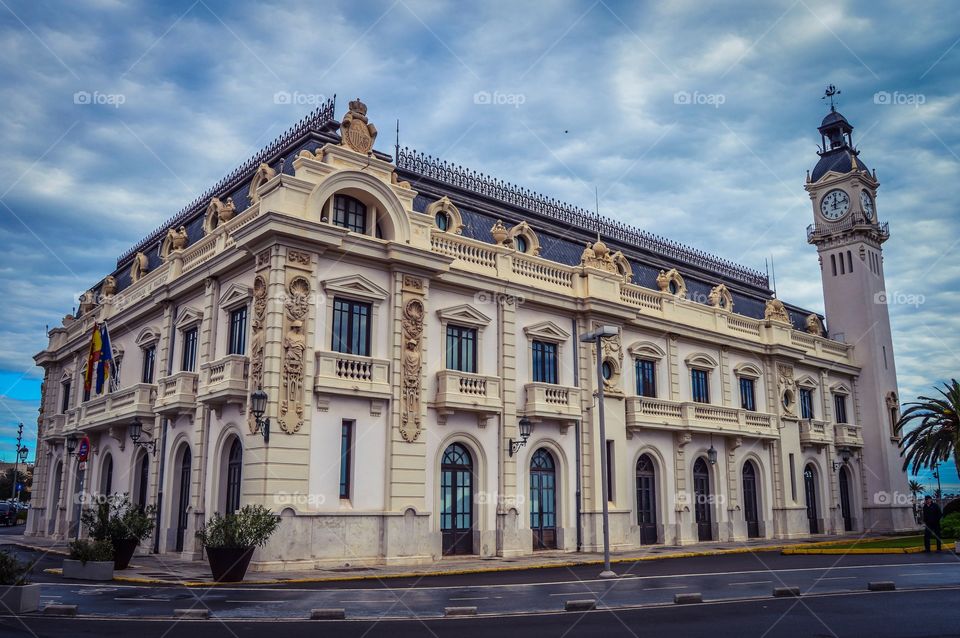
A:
(646, 500)
(702, 500)
(845, 500)
(751, 508)
(106, 476)
(183, 500)
(234, 465)
(543, 500)
(810, 493)
(456, 500)
(53, 508)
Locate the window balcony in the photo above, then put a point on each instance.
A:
(339, 373)
(815, 433)
(224, 381)
(552, 402)
(467, 392)
(847, 435)
(53, 426)
(661, 414)
(177, 394)
(118, 407)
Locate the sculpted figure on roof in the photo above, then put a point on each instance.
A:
(355, 131)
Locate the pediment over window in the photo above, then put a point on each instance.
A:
(464, 315)
(748, 370)
(355, 286)
(840, 388)
(646, 350)
(66, 376)
(546, 331)
(235, 295)
(701, 360)
(188, 317)
(148, 336)
(806, 381)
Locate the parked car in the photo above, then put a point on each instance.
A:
(8, 514)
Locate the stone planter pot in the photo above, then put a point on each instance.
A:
(92, 570)
(123, 552)
(229, 564)
(20, 599)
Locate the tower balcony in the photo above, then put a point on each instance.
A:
(847, 435)
(467, 392)
(340, 373)
(225, 381)
(661, 414)
(177, 394)
(816, 232)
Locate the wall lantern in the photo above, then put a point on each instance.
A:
(525, 427)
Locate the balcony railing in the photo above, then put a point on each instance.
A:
(815, 433)
(847, 435)
(225, 381)
(119, 406)
(549, 401)
(652, 413)
(340, 373)
(467, 392)
(177, 393)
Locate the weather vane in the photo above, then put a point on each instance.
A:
(829, 93)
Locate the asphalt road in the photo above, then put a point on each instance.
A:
(900, 614)
(426, 601)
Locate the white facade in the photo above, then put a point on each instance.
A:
(288, 260)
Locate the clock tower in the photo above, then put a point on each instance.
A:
(849, 237)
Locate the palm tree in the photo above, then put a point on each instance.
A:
(937, 433)
(916, 487)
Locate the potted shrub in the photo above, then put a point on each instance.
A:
(16, 594)
(230, 540)
(89, 560)
(117, 520)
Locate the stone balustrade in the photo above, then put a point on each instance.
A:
(847, 435)
(653, 413)
(118, 407)
(816, 433)
(467, 392)
(225, 381)
(550, 401)
(339, 373)
(177, 393)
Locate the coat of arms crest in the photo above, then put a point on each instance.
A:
(355, 131)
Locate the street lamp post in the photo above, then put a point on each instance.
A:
(16, 463)
(71, 445)
(595, 337)
(22, 458)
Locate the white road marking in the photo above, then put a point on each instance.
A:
(367, 600)
(574, 593)
(752, 582)
(838, 578)
(143, 600)
(673, 587)
(915, 574)
(476, 598)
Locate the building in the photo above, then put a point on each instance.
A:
(406, 316)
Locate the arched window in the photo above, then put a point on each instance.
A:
(833, 264)
(521, 243)
(543, 500)
(703, 500)
(456, 500)
(647, 500)
(751, 506)
(106, 478)
(144, 479)
(234, 465)
(350, 213)
(442, 220)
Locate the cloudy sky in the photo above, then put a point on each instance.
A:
(692, 122)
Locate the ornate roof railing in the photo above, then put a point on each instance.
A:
(481, 184)
(313, 121)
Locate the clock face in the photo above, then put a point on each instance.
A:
(866, 203)
(835, 204)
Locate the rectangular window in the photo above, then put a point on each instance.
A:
(350, 214)
(806, 403)
(461, 349)
(65, 399)
(189, 360)
(700, 385)
(544, 362)
(149, 362)
(793, 477)
(610, 472)
(840, 405)
(646, 378)
(747, 398)
(351, 327)
(346, 457)
(238, 331)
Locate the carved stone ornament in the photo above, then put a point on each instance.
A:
(720, 297)
(412, 323)
(612, 355)
(499, 232)
(294, 347)
(178, 238)
(219, 212)
(787, 389)
(264, 174)
(109, 286)
(814, 325)
(139, 267)
(446, 207)
(671, 281)
(87, 302)
(263, 258)
(598, 256)
(355, 131)
(776, 311)
(258, 340)
(402, 183)
(298, 257)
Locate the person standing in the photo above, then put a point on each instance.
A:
(931, 523)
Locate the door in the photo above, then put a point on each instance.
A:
(845, 500)
(543, 500)
(456, 501)
(646, 500)
(750, 506)
(810, 491)
(702, 498)
(184, 500)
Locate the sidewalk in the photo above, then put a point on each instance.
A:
(169, 570)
